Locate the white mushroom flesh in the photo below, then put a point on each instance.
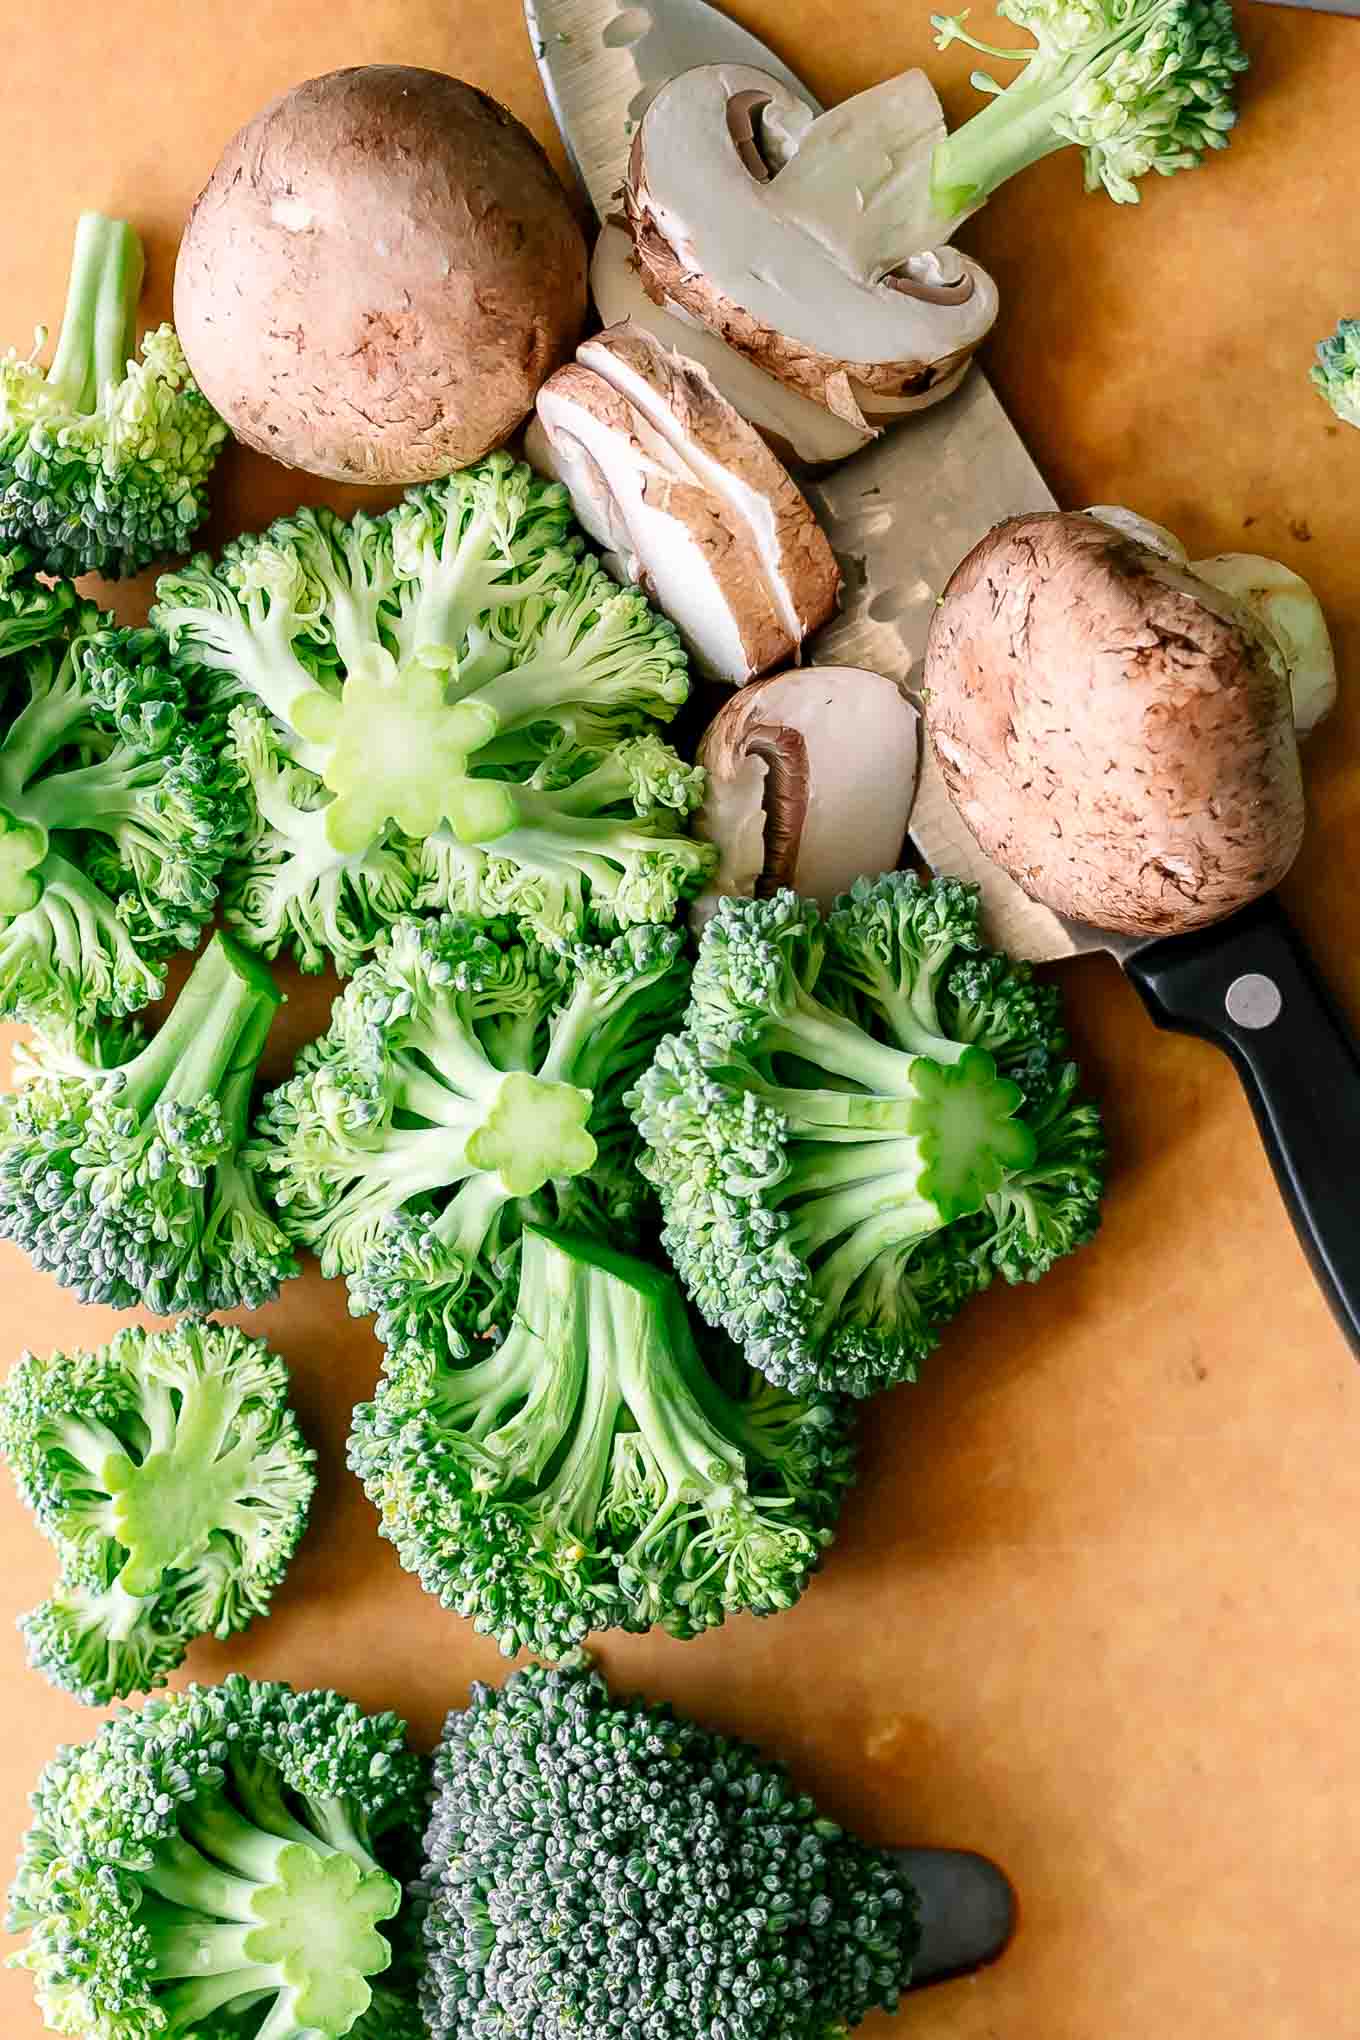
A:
(800, 430)
(1155, 537)
(1284, 604)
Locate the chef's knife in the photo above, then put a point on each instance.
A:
(901, 515)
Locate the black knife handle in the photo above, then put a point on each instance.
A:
(1249, 986)
(967, 1911)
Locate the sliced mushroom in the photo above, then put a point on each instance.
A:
(802, 433)
(700, 567)
(680, 401)
(1116, 732)
(564, 459)
(1283, 604)
(816, 273)
(1281, 601)
(811, 779)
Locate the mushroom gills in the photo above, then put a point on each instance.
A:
(811, 780)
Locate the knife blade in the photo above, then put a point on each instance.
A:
(900, 516)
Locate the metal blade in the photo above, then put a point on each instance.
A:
(900, 515)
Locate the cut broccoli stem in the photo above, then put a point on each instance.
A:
(44, 722)
(99, 325)
(222, 1006)
(1004, 138)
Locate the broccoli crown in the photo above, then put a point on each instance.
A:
(128, 1182)
(1137, 85)
(603, 1866)
(449, 707)
(168, 1471)
(597, 1470)
(115, 814)
(104, 458)
(1337, 371)
(230, 1858)
(470, 1080)
(864, 1117)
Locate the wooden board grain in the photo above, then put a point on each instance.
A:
(1094, 1608)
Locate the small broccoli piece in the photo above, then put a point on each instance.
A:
(446, 707)
(227, 1859)
(600, 1866)
(127, 1183)
(469, 1081)
(822, 1189)
(1137, 85)
(104, 459)
(597, 1470)
(169, 1473)
(1337, 372)
(115, 814)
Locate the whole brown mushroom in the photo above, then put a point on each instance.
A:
(379, 274)
(1116, 731)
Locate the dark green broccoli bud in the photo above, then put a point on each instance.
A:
(104, 459)
(600, 1866)
(230, 1858)
(169, 1473)
(598, 1470)
(1337, 371)
(128, 1182)
(470, 1081)
(1136, 85)
(821, 1189)
(447, 707)
(115, 814)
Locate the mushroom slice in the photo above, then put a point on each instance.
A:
(1116, 732)
(817, 273)
(702, 570)
(802, 433)
(679, 400)
(1283, 604)
(811, 779)
(565, 460)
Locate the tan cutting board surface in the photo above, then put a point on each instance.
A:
(1096, 1605)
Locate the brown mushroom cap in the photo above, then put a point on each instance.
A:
(1116, 733)
(379, 274)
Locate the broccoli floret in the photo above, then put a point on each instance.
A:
(127, 1182)
(470, 1081)
(115, 814)
(104, 459)
(1137, 85)
(601, 1866)
(169, 1473)
(821, 1188)
(227, 1859)
(447, 707)
(597, 1470)
(1337, 373)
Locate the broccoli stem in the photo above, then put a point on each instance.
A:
(819, 1037)
(42, 724)
(200, 1045)
(99, 325)
(101, 797)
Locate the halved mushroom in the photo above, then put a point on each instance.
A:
(1116, 732)
(703, 571)
(679, 400)
(811, 779)
(815, 272)
(802, 433)
(1281, 601)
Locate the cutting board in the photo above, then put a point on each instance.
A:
(1094, 1608)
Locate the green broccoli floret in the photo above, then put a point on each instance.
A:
(104, 459)
(601, 1866)
(169, 1473)
(470, 1082)
(127, 1182)
(1137, 85)
(230, 1859)
(115, 814)
(447, 707)
(830, 1199)
(597, 1470)
(1337, 373)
